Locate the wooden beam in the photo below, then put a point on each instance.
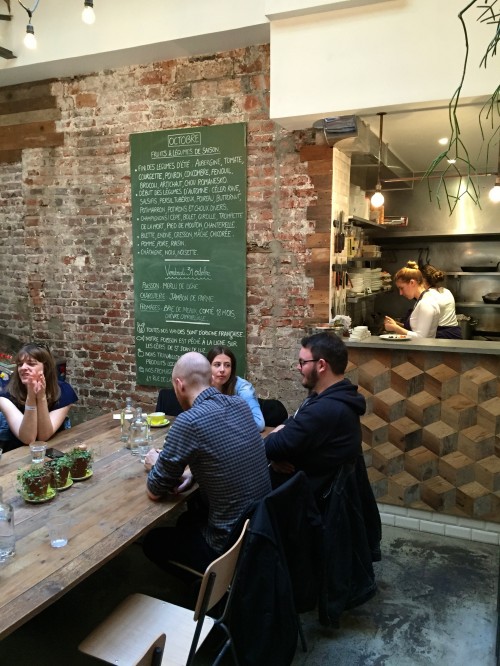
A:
(30, 135)
(16, 106)
(10, 156)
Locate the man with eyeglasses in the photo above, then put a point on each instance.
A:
(323, 438)
(325, 431)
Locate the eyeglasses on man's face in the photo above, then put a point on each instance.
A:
(302, 363)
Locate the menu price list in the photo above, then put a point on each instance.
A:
(189, 242)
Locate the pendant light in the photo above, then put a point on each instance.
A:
(88, 14)
(494, 193)
(377, 199)
(29, 38)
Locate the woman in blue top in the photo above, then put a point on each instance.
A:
(34, 403)
(224, 378)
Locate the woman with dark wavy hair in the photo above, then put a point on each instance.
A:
(34, 403)
(224, 378)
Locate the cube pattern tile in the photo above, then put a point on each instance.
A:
(431, 433)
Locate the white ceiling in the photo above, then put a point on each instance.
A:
(413, 136)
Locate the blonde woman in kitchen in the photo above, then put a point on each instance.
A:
(422, 320)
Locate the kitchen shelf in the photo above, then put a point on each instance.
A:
(362, 297)
(476, 304)
(362, 222)
(459, 273)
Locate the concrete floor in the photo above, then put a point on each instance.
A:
(436, 605)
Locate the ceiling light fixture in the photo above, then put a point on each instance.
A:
(88, 14)
(29, 38)
(443, 141)
(494, 193)
(377, 199)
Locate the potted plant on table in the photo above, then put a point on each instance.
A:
(33, 482)
(80, 461)
(59, 469)
(341, 325)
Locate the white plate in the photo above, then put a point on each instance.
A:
(394, 336)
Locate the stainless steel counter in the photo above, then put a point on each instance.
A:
(429, 344)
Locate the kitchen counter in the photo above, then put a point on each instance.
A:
(429, 344)
(431, 432)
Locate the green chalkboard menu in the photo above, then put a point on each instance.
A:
(189, 245)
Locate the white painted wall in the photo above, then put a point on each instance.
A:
(386, 55)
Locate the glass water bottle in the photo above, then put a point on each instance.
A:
(126, 416)
(7, 535)
(139, 432)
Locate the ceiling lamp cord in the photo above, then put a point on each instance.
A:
(29, 37)
(377, 199)
(88, 15)
(494, 193)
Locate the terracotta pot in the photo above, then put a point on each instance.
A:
(79, 468)
(37, 486)
(60, 477)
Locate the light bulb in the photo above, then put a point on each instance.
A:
(29, 38)
(377, 199)
(88, 15)
(494, 193)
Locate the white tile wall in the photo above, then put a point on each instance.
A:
(437, 523)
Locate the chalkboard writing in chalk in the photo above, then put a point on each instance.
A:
(189, 245)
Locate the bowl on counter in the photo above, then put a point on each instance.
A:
(492, 297)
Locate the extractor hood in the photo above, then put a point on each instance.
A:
(355, 138)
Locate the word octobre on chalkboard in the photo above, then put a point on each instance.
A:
(189, 245)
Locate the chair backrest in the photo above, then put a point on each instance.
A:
(218, 577)
(273, 411)
(167, 402)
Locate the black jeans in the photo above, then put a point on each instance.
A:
(183, 543)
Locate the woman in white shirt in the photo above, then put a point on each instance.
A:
(448, 326)
(422, 320)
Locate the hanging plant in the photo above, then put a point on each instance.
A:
(459, 162)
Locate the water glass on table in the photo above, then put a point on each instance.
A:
(37, 452)
(58, 525)
(144, 448)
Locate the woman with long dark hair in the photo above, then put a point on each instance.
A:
(34, 404)
(224, 378)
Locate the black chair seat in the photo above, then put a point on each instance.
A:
(273, 411)
(167, 402)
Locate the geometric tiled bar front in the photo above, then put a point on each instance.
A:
(431, 434)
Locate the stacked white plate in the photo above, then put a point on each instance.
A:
(359, 333)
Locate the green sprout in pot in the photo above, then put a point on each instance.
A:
(81, 461)
(33, 482)
(61, 467)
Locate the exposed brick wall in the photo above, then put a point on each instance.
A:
(65, 222)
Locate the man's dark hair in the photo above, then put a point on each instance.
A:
(329, 347)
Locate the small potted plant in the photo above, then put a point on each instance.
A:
(59, 470)
(341, 325)
(33, 482)
(80, 461)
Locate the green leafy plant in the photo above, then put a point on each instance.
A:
(458, 160)
(80, 461)
(33, 482)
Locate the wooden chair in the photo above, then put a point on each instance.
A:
(143, 630)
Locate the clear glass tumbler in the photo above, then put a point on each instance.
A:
(38, 452)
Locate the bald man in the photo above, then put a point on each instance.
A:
(216, 437)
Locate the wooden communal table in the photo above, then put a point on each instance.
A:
(108, 511)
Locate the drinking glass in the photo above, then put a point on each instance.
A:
(59, 529)
(143, 451)
(37, 452)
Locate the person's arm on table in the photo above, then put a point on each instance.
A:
(246, 391)
(169, 473)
